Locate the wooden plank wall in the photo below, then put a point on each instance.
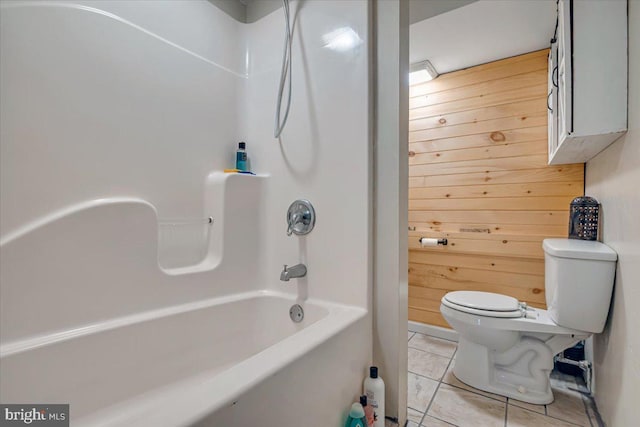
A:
(478, 175)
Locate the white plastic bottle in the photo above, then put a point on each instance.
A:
(374, 390)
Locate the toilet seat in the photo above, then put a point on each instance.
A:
(534, 320)
(484, 304)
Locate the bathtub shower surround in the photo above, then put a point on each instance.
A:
(138, 282)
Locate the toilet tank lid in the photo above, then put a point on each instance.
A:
(579, 249)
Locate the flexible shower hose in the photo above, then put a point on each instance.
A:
(285, 75)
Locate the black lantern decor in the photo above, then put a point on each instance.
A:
(583, 218)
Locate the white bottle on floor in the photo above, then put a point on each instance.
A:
(374, 390)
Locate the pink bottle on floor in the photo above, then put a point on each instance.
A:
(368, 411)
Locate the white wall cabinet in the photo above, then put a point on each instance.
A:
(587, 79)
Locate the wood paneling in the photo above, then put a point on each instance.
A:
(505, 123)
(500, 203)
(480, 229)
(506, 246)
(478, 153)
(480, 262)
(552, 174)
(487, 139)
(421, 107)
(424, 316)
(481, 165)
(479, 89)
(478, 175)
(529, 189)
(522, 108)
(491, 216)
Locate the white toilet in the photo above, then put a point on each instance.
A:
(506, 347)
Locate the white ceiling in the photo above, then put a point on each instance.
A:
(481, 32)
(419, 10)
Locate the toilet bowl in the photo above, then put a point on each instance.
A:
(508, 351)
(506, 347)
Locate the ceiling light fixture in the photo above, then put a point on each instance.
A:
(421, 72)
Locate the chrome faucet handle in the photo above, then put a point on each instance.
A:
(301, 218)
(293, 220)
(285, 268)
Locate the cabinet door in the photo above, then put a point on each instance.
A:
(565, 77)
(552, 100)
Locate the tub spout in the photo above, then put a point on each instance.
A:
(294, 272)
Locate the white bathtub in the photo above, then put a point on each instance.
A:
(180, 365)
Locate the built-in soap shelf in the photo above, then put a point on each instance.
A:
(189, 246)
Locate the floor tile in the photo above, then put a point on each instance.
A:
(410, 334)
(433, 345)
(411, 424)
(449, 378)
(525, 405)
(420, 392)
(427, 364)
(518, 417)
(464, 408)
(415, 416)
(568, 406)
(389, 423)
(434, 422)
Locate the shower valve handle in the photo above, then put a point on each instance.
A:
(301, 218)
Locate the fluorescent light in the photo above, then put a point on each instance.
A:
(342, 39)
(420, 76)
(422, 72)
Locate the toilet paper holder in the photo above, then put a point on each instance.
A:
(424, 241)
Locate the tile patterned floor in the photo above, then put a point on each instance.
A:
(437, 398)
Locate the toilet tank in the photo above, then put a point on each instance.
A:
(579, 276)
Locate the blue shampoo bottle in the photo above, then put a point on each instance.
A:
(241, 157)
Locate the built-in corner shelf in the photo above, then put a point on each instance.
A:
(198, 246)
(587, 80)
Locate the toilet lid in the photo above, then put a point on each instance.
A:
(492, 304)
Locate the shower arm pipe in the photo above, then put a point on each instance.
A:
(285, 72)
